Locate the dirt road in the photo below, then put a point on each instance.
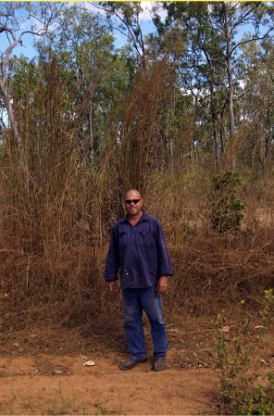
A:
(47, 384)
(42, 370)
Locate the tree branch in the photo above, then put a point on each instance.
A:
(253, 39)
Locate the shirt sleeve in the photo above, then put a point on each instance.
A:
(164, 262)
(112, 261)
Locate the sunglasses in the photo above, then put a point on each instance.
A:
(129, 201)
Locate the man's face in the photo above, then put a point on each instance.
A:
(133, 203)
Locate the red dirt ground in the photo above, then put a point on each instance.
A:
(42, 372)
(50, 385)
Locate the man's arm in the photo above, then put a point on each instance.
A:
(112, 263)
(162, 285)
(113, 287)
(164, 263)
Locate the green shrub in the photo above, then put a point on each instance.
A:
(240, 391)
(226, 212)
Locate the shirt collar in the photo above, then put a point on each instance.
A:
(144, 217)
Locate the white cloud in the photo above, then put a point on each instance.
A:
(147, 9)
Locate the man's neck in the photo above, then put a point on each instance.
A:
(134, 219)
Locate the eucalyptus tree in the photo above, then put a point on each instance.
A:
(125, 18)
(199, 68)
(229, 19)
(95, 72)
(14, 16)
(213, 33)
(256, 103)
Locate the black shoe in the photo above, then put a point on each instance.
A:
(159, 364)
(130, 363)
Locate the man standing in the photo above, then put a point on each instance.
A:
(137, 248)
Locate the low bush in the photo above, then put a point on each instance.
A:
(244, 390)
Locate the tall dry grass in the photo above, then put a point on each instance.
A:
(214, 270)
(54, 237)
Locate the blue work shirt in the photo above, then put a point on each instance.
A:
(139, 252)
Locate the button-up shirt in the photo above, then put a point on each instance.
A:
(139, 252)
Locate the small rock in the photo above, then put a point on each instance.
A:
(89, 363)
(57, 372)
(225, 329)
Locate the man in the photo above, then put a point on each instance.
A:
(138, 249)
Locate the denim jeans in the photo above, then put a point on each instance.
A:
(135, 302)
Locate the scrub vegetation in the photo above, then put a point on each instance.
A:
(245, 389)
(185, 115)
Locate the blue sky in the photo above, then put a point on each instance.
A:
(27, 46)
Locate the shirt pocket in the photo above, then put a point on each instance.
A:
(144, 239)
(122, 239)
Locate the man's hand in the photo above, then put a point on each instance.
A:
(113, 287)
(162, 285)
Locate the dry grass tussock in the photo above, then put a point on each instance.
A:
(52, 260)
(214, 270)
(54, 236)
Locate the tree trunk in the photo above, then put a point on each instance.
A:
(229, 73)
(230, 84)
(91, 133)
(8, 103)
(14, 127)
(216, 141)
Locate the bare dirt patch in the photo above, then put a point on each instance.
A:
(54, 385)
(42, 372)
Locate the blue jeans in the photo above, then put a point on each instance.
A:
(135, 302)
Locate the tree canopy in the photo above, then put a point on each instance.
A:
(210, 54)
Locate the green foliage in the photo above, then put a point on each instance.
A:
(239, 392)
(267, 311)
(233, 362)
(226, 213)
(2, 153)
(95, 77)
(262, 402)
